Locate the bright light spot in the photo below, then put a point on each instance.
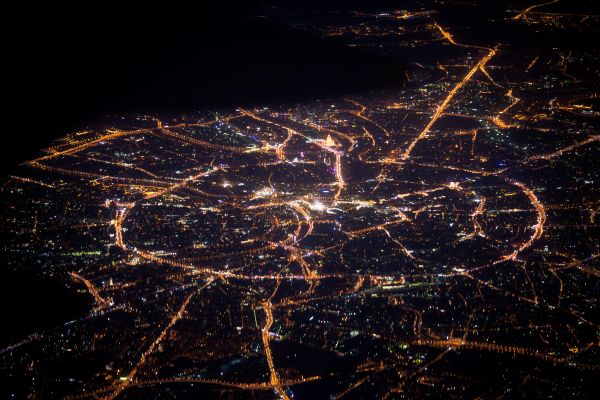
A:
(264, 192)
(317, 205)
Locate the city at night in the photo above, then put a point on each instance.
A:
(354, 200)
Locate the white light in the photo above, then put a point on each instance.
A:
(317, 205)
(264, 192)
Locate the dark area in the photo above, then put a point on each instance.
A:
(37, 303)
(74, 64)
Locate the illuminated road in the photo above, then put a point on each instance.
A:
(265, 334)
(442, 107)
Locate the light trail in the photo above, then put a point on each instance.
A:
(566, 149)
(120, 216)
(280, 149)
(477, 229)
(440, 109)
(33, 181)
(122, 165)
(100, 301)
(338, 174)
(96, 176)
(342, 135)
(446, 35)
(361, 115)
(400, 244)
(307, 217)
(265, 335)
(122, 384)
(219, 382)
(412, 374)
(497, 348)
(454, 168)
(322, 144)
(532, 63)
(203, 143)
(538, 228)
(523, 14)
(107, 137)
(114, 134)
(183, 183)
(360, 232)
(497, 121)
(487, 74)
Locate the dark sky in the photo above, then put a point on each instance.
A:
(70, 65)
